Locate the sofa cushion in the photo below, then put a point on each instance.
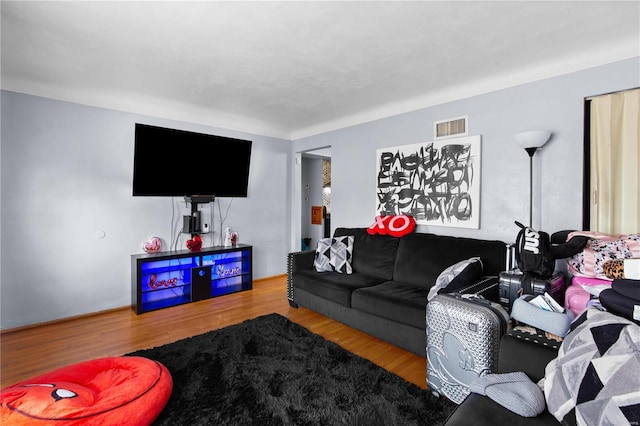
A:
(400, 302)
(332, 285)
(513, 350)
(373, 255)
(422, 257)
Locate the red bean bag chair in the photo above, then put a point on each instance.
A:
(105, 391)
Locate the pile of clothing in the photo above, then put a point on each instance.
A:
(623, 299)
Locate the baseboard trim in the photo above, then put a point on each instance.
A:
(106, 311)
(61, 320)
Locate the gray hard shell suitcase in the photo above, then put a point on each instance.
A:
(514, 283)
(463, 338)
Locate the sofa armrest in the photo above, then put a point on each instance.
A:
(296, 262)
(299, 261)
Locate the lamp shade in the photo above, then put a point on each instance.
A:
(532, 139)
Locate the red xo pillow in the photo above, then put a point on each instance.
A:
(396, 226)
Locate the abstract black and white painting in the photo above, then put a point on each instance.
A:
(438, 183)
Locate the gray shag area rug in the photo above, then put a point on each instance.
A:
(271, 371)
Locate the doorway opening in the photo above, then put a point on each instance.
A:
(316, 196)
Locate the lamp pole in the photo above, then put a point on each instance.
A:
(531, 141)
(531, 152)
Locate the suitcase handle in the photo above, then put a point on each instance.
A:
(473, 297)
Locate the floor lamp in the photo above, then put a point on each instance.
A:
(531, 142)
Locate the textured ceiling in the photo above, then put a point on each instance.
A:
(293, 69)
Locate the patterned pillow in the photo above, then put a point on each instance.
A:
(595, 379)
(334, 254)
(341, 253)
(322, 261)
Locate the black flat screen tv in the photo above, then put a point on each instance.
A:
(170, 162)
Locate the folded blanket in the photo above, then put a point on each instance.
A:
(596, 376)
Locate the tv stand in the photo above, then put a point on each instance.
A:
(172, 278)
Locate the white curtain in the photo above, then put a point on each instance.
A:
(615, 163)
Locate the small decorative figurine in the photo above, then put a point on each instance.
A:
(195, 243)
(154, 245)
(227, 237)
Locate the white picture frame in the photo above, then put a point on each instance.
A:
(437, 183)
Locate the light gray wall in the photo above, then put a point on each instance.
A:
(554, 104)
(66, 175)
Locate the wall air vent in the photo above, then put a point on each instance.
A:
(451, 127)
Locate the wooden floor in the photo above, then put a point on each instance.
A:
(27, 352)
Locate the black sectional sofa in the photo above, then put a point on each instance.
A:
(386, 295)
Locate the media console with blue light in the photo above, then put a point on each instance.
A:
(167, 279)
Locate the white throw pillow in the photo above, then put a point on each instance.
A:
(466, 271)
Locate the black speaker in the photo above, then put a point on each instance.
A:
(191, 224)
(200, 283)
